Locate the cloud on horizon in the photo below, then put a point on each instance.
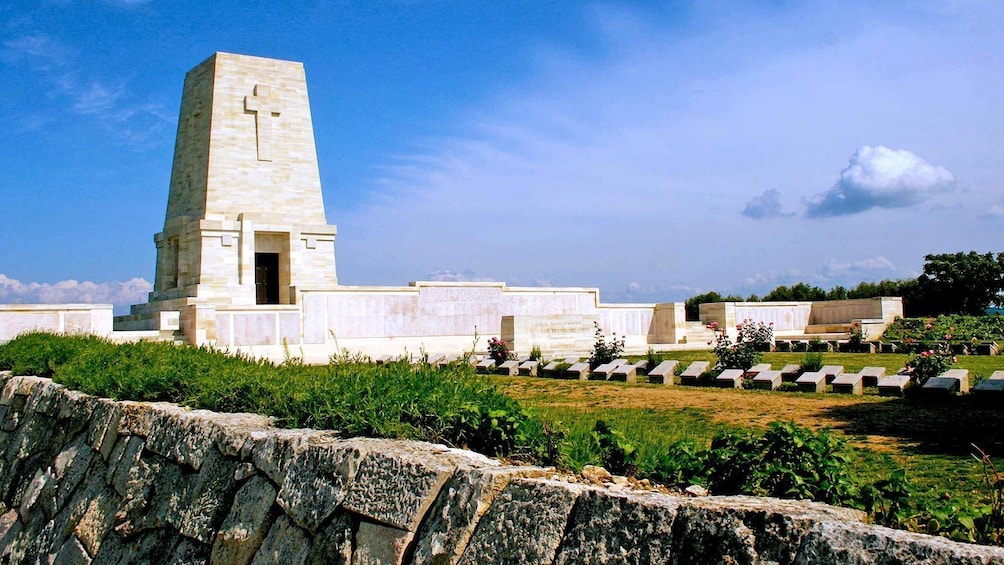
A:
(118, 293)
(879, 177)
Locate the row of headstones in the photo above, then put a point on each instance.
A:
(953, 381)
(799, 345)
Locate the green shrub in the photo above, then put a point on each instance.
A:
(39, 353)
(617, 453)
(811, 362)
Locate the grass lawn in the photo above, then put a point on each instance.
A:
(932, 443)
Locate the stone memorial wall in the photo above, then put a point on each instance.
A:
(84, 479)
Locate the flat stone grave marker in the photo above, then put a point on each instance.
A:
(757, 369)
(872, 375)
(692, 374)
(642, 367)
(848, 383)
(993, 388)
(384, 359)
(812, 381)
(485, 366)
(947, 386)
(962, 375)
(626, 372)
(448, 359)
(551, 369)
(510, 368)
(782, 345)
(662, 374)
(730, 378)
(578, 371)
(528, 368)
(987, 348)
(603, 372)
(767, 380)
(831, 372)
(893, 385)
(888, 346)
(790, 372)
(435, 358)
(997, 375)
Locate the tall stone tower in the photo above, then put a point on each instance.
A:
(245, 222)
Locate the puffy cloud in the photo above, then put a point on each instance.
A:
(767, 205)
(120, 293)
(879, 177)
(834, 268)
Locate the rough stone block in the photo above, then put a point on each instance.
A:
(245, 527)
(843, 542)
(525, 524)
(461, 503)
(318, 481)
(397, 482)
(378, 544)
(285, 544)
(272, 450)
(619, 528)
(333, 544)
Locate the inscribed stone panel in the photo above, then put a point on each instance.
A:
(289, 328)
(254, 329)
(224, 333)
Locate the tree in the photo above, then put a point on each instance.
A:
(962, 283)
(798, 291)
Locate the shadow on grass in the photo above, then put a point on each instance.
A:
(946, 426)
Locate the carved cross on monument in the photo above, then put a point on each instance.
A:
(265, 108)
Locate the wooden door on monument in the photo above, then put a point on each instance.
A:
(266, 278)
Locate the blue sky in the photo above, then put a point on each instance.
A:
(653, 150)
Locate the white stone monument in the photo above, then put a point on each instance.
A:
(245, 221)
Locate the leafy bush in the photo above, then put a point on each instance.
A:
(929, 363)
(751, 340)
(603, 351)
(618, 455)
(787, 461)
(499, 351)
(535, 353)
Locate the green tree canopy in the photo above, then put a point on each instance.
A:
(962, 283)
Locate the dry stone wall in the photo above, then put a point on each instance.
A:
(85, 479)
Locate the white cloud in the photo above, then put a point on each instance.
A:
(767, 205)
(879, 177)
(119, 293)
(453, 276)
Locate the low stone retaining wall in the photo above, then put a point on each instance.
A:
(87, 479)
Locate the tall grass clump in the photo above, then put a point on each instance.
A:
(450, 405)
